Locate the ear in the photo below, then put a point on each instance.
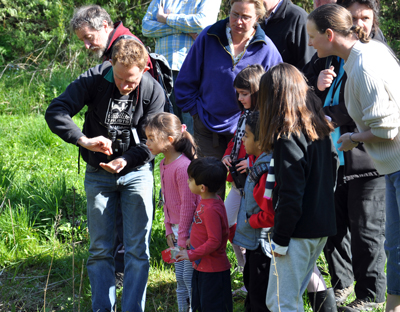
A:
(105, 25)
(329, 32)
(170, 139)
(146, 69)
(203, 188)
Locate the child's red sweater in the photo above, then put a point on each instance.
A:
(209, 236)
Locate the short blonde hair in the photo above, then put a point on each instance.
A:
(258, 4)
(130, 52)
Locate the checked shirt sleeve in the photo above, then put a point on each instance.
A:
(151, 27)
(205, 15)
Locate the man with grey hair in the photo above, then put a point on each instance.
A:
(93, 25)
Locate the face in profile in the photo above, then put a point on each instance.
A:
(317, 40)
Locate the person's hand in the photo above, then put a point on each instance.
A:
(242, 166)
(276, 254)
(347, 145)
(98, 144)
(161, 16)
(193, 35)
(171, 240)
(227, 161)
(325, 78)
(182, 255)
(114, 166)
(188, 243)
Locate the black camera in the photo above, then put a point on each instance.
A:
(120, 142)
(238, 178)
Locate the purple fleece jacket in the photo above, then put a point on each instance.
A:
(205, 82)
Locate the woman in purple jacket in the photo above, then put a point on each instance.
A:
(204, 86)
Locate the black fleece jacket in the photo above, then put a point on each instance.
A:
(287, 30)
(303, 198)
(96, 88)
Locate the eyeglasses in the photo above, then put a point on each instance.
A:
(245, 19)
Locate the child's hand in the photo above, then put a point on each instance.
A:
(227, 161)
(188, 243)
(276, 254)
(242, 166)
(182, 255)
(171, 240)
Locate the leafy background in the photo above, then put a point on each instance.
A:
(38, 27)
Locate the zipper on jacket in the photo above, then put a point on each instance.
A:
(224, 49)
(245, 52)
(233, 62)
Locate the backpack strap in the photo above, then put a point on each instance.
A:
(256, 172)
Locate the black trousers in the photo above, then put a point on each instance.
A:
(210, 143)
(255, 277)
(357, 251)
(211, 292)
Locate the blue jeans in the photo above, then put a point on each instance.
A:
(392, 243)
(134, 192)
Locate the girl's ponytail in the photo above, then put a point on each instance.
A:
(186, 145)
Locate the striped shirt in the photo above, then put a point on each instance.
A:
(185, 17)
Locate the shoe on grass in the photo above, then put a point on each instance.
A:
(342, 294)
(360, 305)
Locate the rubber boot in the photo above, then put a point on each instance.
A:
(323, 301)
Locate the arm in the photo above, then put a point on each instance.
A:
(189, 203)
(290, 166)
(206, 14)
(159, 23)
(358, 137)
(187, 86)
(61, 109)
(380, 112)
(212, 222)
(153, 28)
(265, 218)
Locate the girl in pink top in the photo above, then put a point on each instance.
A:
(165, 134)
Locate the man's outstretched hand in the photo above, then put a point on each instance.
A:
(114, 166)
(98, 144)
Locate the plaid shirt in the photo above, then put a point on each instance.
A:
(185, 16)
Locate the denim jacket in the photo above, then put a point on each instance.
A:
(245, 235)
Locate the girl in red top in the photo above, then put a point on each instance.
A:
(246, 84)
(165, 134)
